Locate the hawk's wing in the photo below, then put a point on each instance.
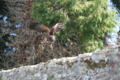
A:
(39, 27)
(56, 28)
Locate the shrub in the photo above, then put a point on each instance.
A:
(85, 20)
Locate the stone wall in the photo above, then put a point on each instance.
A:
(100, 65)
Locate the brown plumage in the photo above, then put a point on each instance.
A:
(49, 31)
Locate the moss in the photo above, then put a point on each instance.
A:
(92, 64)
(50, 77)
(59, 63)
(69, 64)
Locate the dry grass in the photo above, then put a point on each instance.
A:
(31, 51)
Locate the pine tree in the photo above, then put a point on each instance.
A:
(86, 19)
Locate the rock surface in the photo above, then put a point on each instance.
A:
(100, 65)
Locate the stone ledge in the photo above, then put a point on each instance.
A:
(100, 65)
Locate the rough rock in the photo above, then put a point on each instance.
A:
(99, 65)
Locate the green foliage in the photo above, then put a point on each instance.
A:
(87, 19)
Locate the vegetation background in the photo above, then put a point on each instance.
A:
(86, 21)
